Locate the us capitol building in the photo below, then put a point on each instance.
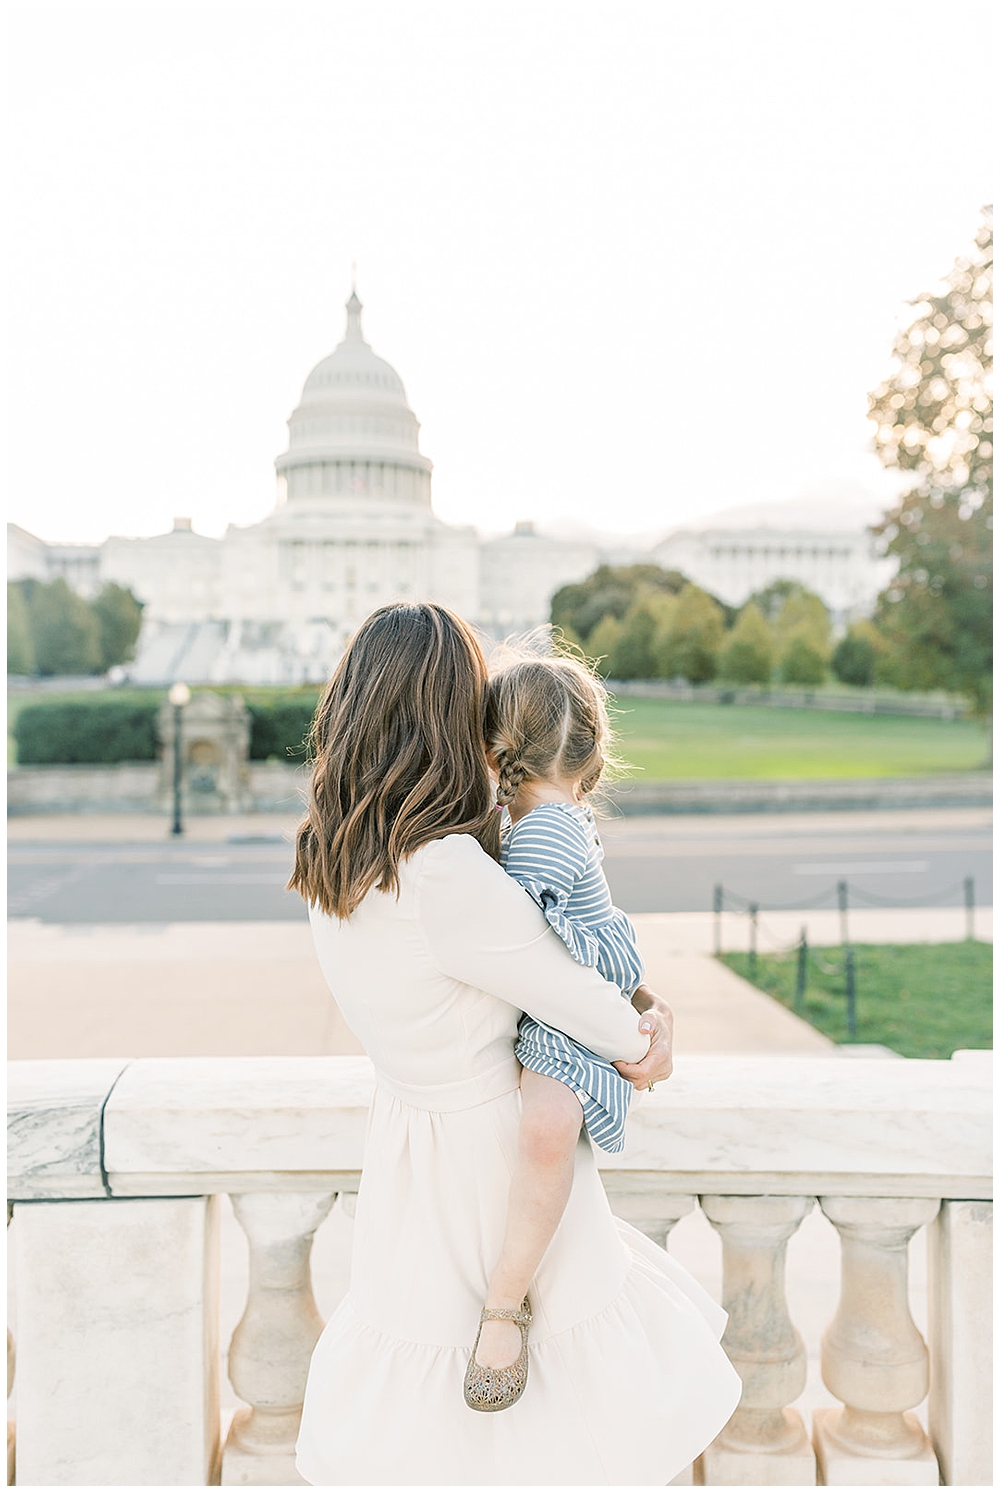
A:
(274, 602)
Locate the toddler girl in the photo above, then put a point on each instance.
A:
(548, 735)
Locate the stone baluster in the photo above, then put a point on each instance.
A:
(10, 1384)
(960, 1411)
(10, 1423)
(764, 1441)
(654, 1213)
(873, 1357)
(271, 1347)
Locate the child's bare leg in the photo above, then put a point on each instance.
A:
(551, 1116)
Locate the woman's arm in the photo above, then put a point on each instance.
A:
(481, 928)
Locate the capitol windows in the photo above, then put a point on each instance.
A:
(294, 559)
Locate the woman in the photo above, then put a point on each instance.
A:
(433, 953)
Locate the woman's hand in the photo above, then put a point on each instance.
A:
(658, 1021)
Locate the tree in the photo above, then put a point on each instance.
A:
(609, 592)
(119, 621)
(772, 598)
(20, 650)
(933, 419)
(933, 414)
(804, 614)
(634, 654)
(801, 662)
(854, 659)
(748, 656)
(603, 642)
(688, 646)
(64, 630)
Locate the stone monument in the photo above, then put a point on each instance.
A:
(215, 750)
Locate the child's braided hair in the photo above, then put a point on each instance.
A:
(546, 717)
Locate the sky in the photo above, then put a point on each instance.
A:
(635, 261)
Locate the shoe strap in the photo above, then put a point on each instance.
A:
(506, 1314)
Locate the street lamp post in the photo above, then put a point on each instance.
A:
(179, 696)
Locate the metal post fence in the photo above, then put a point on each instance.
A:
(842, 905)
(970, 908)
(850, 990)
(717, 912)
(801, 972)
(752, 962)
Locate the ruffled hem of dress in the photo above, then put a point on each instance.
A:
(630, 1395)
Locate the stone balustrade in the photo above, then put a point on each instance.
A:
(116, 1171)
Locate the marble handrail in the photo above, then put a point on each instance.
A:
(723, 1125)
(116, 1166)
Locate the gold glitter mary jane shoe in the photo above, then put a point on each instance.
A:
(498, 1389)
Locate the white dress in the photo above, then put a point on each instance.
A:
(627, 1381)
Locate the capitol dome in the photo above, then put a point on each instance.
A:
(353, 431)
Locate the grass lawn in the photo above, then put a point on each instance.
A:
(677, 739)
(922, 1000)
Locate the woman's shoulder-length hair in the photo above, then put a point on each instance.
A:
(398, 754)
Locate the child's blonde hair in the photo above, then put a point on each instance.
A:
(547, 716)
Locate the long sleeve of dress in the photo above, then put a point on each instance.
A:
(480, 927)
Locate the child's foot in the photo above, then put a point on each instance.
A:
(498, 1366)
(499, 1344)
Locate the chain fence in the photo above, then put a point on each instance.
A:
(839, 896)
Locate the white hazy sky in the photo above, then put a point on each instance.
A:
(635, 261)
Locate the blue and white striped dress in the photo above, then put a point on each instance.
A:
(554, 852)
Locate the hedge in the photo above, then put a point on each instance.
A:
(120, 729)
(280, 727)
(87, 731)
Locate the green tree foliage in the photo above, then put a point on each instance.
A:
(634, 653)
(609, 592)
(933, 414)
(119, 621)
(748, 655)
(804, 615)
(801, 662)
(854, 659)
(936, 616)
(933, 421)
(603, 643)
(64, 630)
(52, 630)
(20, 649)
(688, 646)
(801, 630)
(772, 598)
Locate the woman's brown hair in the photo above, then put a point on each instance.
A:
(399, 756)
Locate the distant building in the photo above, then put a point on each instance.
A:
(353, 529)
(274, 602)
(739, 552)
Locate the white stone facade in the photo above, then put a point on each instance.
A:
(733, 560)
(353, 529)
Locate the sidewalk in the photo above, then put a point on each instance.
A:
(119, 829)
(251, 989)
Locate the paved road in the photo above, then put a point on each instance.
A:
(654, 864)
